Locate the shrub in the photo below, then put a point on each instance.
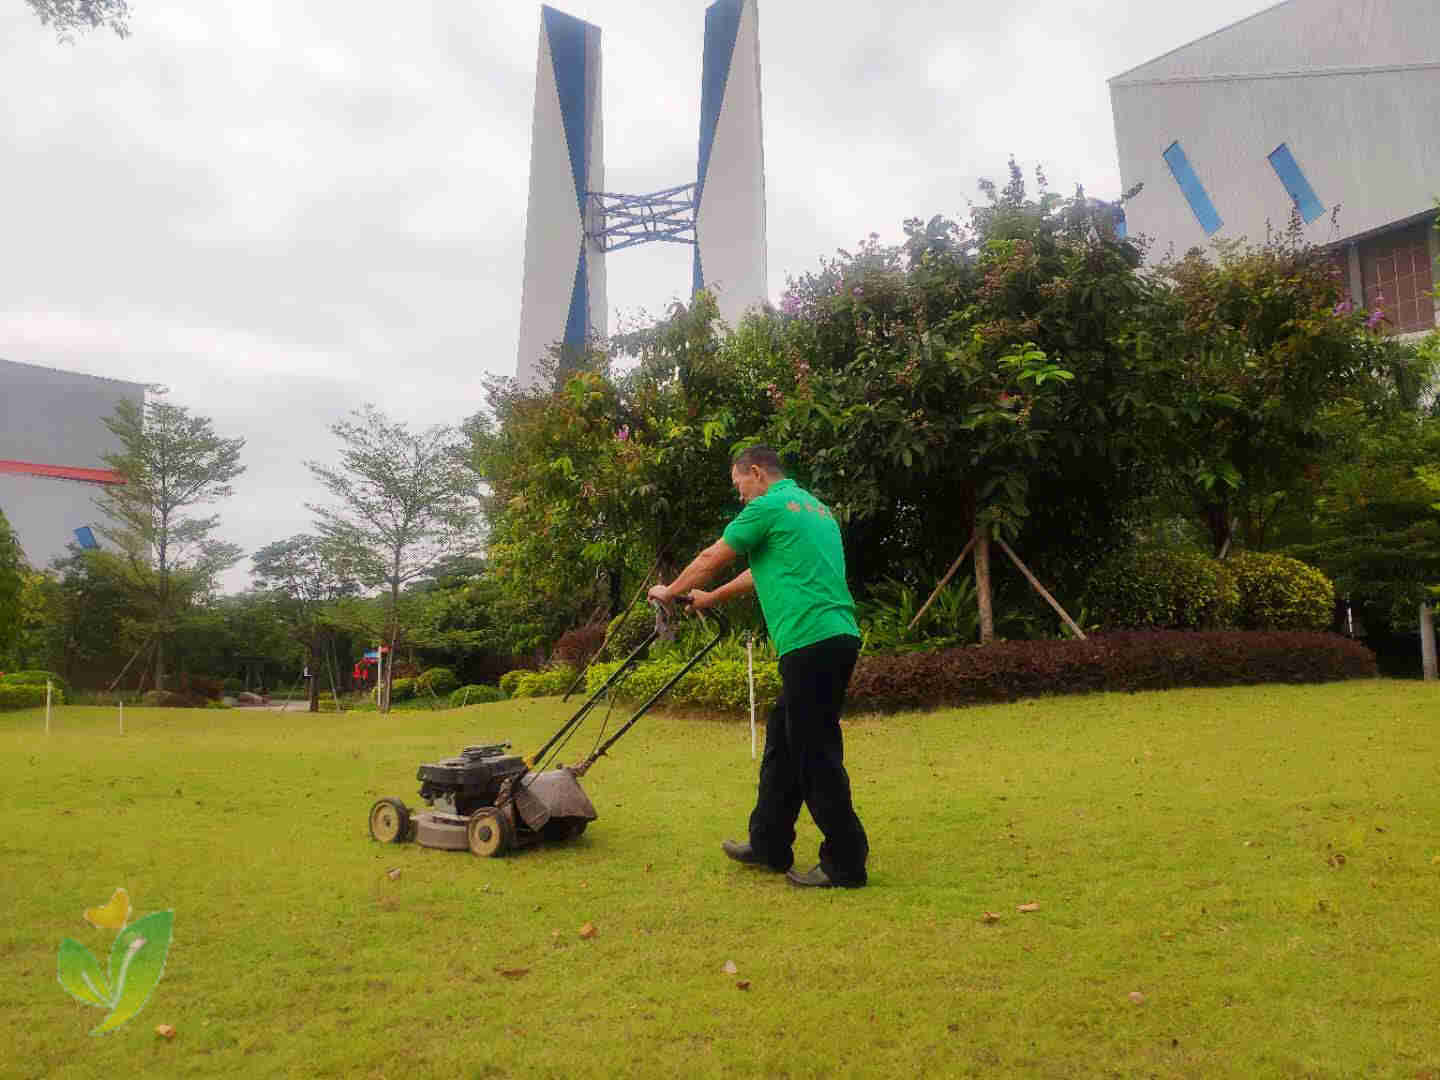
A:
(545, 683)
(170, 699)
(715, 686)
(511, 679)
(1162, 590)
(476, 694)
(402, 689)
(577, 646)
(626, 638)
(232, 686)
(1127, 661)
(216, 705)
(202, 686)
(1280, 593)
(23, 695)
(437, 680)
(37, 678)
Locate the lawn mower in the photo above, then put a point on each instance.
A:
(491, 802)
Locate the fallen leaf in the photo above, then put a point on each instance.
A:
(1031, 906)
(588, 930)
(165, 1031)
(1136, 996)
(1337, 860)
(989, 917)
(743, 984)
(730, 968)
(513, 973)
(393, 873)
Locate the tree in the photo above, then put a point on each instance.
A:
(69, 17)
(12, 582)
(307, 574)
(407, 500)
(170, 461)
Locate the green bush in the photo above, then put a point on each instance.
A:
(216, 705)
(170, 699)
(232, 685)
(545, 683)
(625, 639)
(511, 679)
(37, 678)
(715, 686)
(26, 695)
(438, 681)
(476, 694)
(1281, 593)
(1162, 590)
(402, 690)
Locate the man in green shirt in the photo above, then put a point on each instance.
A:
(797, 568)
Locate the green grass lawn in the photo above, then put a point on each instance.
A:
(1261, 866)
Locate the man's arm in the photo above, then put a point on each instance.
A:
(701, 569)
(739, 585)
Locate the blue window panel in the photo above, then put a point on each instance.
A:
(1193, 190)
(577, 323)
(567, 52)
(85, 537)
(722, 27)
(1288, 169)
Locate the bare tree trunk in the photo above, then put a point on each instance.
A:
(160, 661)
(982, 585)
(310, 655)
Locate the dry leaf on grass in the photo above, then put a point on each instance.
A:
(588, 930)
(513, 973)
(393, 873)
(730, 968)
(165, 1031)
(1031, 906)
(989, 917)
(1136, 996)
(743, 984)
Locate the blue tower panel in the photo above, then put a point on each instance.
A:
(1193, 190)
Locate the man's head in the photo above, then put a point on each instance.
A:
(754, 470)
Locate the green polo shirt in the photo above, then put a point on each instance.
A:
(799, 565)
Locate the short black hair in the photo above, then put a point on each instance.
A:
(763, 456)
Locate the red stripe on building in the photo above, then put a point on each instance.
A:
(62, 472)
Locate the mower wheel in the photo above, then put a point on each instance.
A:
(490, 832)
(390, 821)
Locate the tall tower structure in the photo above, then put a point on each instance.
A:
(572, 222)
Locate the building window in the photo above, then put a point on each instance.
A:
(1395, 267)
(1301, 193)
(1193, 190)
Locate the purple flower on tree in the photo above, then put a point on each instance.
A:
(1345, 307)
(624, 433)
(790, 304)
(1376, 318)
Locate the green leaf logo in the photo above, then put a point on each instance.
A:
(137, 961)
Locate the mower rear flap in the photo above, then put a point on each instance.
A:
(554, 793)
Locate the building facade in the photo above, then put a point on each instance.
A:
(52, 441)
(1328, 107)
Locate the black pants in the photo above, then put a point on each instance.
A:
(804, 763)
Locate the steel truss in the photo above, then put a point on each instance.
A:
(616, 222)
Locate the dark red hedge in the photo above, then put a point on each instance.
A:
(1126, 661)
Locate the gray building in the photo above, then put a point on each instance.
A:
(1310, 104)
(52, 438)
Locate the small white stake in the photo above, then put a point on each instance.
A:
(750, 663)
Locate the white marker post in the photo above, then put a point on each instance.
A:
(750, 664)
(47, 706)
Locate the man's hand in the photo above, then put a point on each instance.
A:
(700, 599)
(660, 594)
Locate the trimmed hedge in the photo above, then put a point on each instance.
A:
(545, 683)
(627, 638)
(402, 689)
(1162, 590)
(475, 694)
(511, 679)
(1281, 593)
(1126, 661)
(36, 678)
(22, 695)
(1010, 670)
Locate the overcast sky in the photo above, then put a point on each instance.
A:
(282, 210)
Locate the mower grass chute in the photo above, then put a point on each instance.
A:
(491, 802)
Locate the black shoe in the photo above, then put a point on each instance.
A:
(818, 879)
(744, 853)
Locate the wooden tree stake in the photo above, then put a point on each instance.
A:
(943, 582)
(1040, 588)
